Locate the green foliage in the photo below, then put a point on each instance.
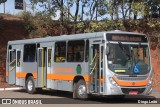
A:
(106, 25)
(42, 25)
(37, 25)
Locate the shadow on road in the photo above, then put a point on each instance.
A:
(67, 98)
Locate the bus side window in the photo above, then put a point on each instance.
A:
(75, 52)
(18, 58)
(49, 57)
(29, 53)
(12, 59)
(60, 52)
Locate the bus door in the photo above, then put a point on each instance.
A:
(18, 56)
(42, 55)
(49, 64)
(12, 67)
(96, 68)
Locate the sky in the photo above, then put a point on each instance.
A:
(10, 7)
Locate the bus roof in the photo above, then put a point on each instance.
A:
(70, 37)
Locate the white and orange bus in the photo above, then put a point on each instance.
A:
(101, 63)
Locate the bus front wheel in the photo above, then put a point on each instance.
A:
(30, 86)
(81, 89)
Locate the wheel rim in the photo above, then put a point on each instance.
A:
(82, 90)
(30, 85)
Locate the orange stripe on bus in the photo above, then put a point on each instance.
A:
(86, 78)
(23, 75)
(66, 77)
(129, 83)
(34, 75)
(63, 69)
(92, 79)
(6, 74)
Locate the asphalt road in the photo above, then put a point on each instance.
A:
(60, 97)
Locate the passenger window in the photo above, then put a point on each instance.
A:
(12, 59)
(75, 51)
(41, 58)
(60, 52)
(18, 58)
(29, 53)
(49, 57)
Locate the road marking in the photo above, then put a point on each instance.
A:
(1, 89)
(7, 89)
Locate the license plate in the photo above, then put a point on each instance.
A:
(133, 92)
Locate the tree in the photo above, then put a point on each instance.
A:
(154, 7)
(76, 14)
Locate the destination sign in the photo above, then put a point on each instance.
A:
(126, 38)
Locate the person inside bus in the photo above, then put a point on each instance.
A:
(120, 56)
(78, 57)
(32, 57)
(70, 57)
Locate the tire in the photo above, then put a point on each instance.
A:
(74, 91)
(39, 90)
(30, 85)
(81, 89)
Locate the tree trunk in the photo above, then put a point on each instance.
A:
(135, 16)
(117, 16)
(61, 17)
(76, 15)
(122, 8)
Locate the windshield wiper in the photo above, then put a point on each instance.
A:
(124, 50)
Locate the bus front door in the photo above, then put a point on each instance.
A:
(12, 67)
(18, 67)
(96, 68)
(49, 64)
(42, 52)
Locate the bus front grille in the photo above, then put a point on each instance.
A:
(127, 90)
(126, 78)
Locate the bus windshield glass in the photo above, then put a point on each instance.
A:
(128, 59)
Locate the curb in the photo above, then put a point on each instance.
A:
(9, 89)
(1, 89)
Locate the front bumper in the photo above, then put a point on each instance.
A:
(117, 90)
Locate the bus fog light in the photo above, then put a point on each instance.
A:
(112, 81)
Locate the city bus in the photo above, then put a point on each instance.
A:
(100, 63)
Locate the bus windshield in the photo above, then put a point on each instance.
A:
(128, 59)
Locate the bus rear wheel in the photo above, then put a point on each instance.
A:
(30, 86)
(81, 89)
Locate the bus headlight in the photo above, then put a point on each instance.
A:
(150, 82)
(112, 81)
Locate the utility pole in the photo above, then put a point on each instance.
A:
(24, 6)
(4, 8)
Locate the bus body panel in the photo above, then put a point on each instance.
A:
(60, 75)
